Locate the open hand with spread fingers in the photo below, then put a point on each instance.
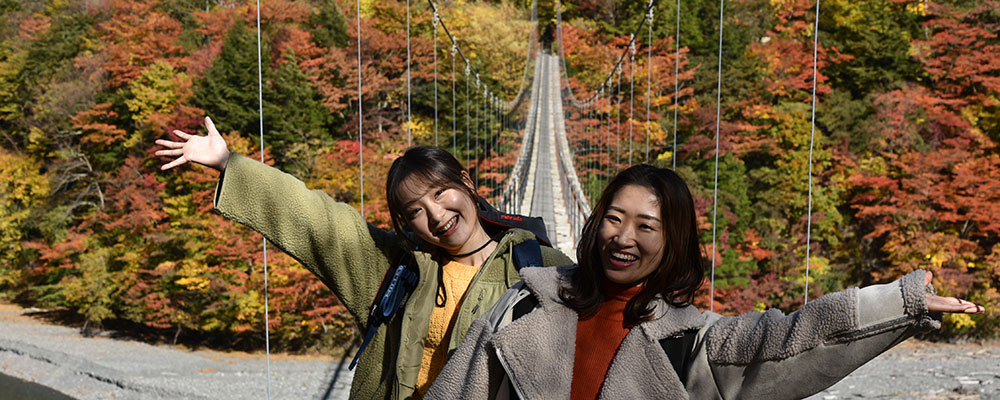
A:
(209, 150)
(950, 304)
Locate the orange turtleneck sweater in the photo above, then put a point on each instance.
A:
(597, 340)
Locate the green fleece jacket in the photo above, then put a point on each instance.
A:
(351, 257)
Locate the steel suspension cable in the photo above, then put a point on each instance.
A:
(812, 141)
(361, 143)
(475, 127)
(631, 96)
(454, 119)
(481, 160)
(715, 191)
(590, 150)
(434, 22)
(606, 120)
(618, 121)
(409, 115)
(533, 39)
(677, 72)
(260, 113)
(467, 101)
(649, 80)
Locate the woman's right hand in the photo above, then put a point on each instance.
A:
(210, 150)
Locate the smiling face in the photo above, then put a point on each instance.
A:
(442, 216)
(631, 235)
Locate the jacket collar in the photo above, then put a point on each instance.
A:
(538, 349)
(668, 321)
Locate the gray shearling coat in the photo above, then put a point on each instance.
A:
(756, 355)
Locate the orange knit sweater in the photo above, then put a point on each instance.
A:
(457, 277)
(597, 340)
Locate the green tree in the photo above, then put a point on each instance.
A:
(295, 120)
(328, 25)
(228, 90)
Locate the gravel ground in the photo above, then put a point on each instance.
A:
(105, 368)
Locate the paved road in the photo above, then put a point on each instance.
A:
(106, 368)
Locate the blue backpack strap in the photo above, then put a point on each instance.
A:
(528, 254)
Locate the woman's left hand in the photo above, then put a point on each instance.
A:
(950, 304)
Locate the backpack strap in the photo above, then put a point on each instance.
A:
(528, 254)
(524, 306)
(392, 294)
(678, 350)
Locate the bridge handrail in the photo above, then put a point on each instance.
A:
(577, 204)
(514, 191)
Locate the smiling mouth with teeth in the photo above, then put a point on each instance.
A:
(448, 226)
(623, 257)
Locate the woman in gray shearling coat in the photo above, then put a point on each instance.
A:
(642, 239)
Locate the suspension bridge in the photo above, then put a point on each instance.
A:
(552, 190)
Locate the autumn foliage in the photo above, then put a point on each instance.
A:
(905, 158)
(906, 170)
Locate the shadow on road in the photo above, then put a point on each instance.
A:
(336, 374)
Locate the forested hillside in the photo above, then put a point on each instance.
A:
(906, 173)
(906, 169)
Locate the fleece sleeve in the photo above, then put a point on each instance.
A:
(777, 356)
(328, 237)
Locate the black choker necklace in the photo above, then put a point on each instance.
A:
(463, 255)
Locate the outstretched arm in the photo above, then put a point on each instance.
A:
(210, 150)
(327, 237)
(757, 355)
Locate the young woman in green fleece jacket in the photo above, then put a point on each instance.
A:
(606, 328)
(429, 194)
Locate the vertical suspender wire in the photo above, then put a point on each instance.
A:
(479, 136)
(454, 121)
(260, 113)
(607, 141)
(487, 144)
(677, 71)
(493, 142)
(618, 120)
(631, 95)
(715, 191)
(361, 143)
(434, 21)
(649, 77)
(593, 141)
(467, 99)
(476, 129)
(409, 115)
(602, 141)
(587, 145)
(812, 141)
(491, 145)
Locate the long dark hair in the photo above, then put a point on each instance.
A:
(433, 166)
(680, 272)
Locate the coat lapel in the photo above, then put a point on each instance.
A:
(537, 349)
(539, 361)
(640, 369)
